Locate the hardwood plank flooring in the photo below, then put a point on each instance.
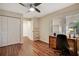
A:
(42, 49)
(28, 48)
(24, 49)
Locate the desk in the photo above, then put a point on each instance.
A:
(71, 41)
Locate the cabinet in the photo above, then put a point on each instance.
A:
(9, 31)
(52, 42)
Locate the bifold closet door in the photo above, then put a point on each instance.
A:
(4, 30)
(13, 30)
(0, 33)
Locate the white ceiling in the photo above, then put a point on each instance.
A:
(45, 8)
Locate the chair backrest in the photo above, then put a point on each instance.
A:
(62, 42)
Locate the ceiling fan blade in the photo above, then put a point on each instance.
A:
(36, 4)
(22, 4)
(31, 5)
(37, 10)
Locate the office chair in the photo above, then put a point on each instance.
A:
(62, 44)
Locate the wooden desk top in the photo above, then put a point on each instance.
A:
(67, 38)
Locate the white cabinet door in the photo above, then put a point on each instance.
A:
(0, 33)
(4, 31)
(13, 31)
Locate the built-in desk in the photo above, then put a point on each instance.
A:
(71, 41)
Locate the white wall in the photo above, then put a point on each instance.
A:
(11, 14)
(45, 29)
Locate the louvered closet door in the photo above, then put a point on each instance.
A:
(4, 31)
(0, 33)
(13, 30)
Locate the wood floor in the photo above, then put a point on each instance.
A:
(28, 48)
(24, 49)
(42, 49)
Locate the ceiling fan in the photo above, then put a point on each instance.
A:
(32, 6)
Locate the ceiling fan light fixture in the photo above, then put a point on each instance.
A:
(32, 9)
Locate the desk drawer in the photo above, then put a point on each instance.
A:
(52, 42)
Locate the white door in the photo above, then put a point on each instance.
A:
(13, 30)
(0, 32)
(4, 31)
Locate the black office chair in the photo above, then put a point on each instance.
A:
(62, 44)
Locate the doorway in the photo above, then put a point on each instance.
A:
(27, 29)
